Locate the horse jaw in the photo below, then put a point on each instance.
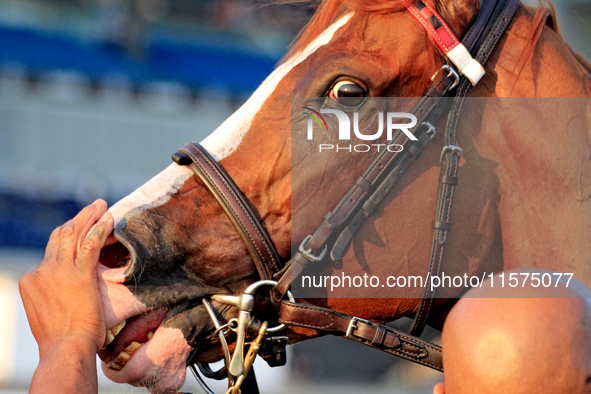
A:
(159, 363)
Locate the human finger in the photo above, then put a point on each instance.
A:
(98, 209)
(52, 244)
(73, 230)
(90, 248)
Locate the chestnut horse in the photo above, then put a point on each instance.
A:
(523, 199)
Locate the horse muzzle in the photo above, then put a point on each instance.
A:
(154, 314)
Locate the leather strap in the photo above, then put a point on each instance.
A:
(374, 335)
(407, 157)
(450, 156)
(445, 39)
(218, 182)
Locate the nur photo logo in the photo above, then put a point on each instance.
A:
(391, 122)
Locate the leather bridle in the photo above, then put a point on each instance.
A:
(339, 226)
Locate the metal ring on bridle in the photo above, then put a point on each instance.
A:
(231, 325)
(251, 289)
(216, 323)
(281, 326)
(244, 302)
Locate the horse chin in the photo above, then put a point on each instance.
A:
(159, 364)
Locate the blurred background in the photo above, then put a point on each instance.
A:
(95, 96)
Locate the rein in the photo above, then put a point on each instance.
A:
(341, 224)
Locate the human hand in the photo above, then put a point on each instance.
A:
(61, 296)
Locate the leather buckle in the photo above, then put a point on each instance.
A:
(453, 149)
(307, 253)
(353, 326)
(431, 131)
(451, 73)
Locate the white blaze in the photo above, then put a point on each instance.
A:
(155, 192)
(226, 138)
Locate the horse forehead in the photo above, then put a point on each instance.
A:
(155, 192)
(226, 138)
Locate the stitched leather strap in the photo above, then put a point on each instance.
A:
(218, 182)
(445, 40)
(374, 335)
(501, 13)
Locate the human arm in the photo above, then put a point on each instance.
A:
(63, 305)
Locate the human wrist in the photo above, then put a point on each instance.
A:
(70, 346)
(76, 355)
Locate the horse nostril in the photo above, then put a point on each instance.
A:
(115, 256)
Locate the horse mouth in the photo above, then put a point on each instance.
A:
(154, 313)
(125, 338)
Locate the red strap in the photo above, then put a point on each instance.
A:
(449, 45)
(434, 24)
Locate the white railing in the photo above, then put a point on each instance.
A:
(59, 135)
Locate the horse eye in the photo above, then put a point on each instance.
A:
(347, 93)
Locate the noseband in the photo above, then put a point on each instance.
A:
(336, 232)
(220, 184)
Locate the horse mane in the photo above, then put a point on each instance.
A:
(542, 17)
(329, 11)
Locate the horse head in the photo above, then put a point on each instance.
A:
(173, 244)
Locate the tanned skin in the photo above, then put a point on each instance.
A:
(63, 305)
